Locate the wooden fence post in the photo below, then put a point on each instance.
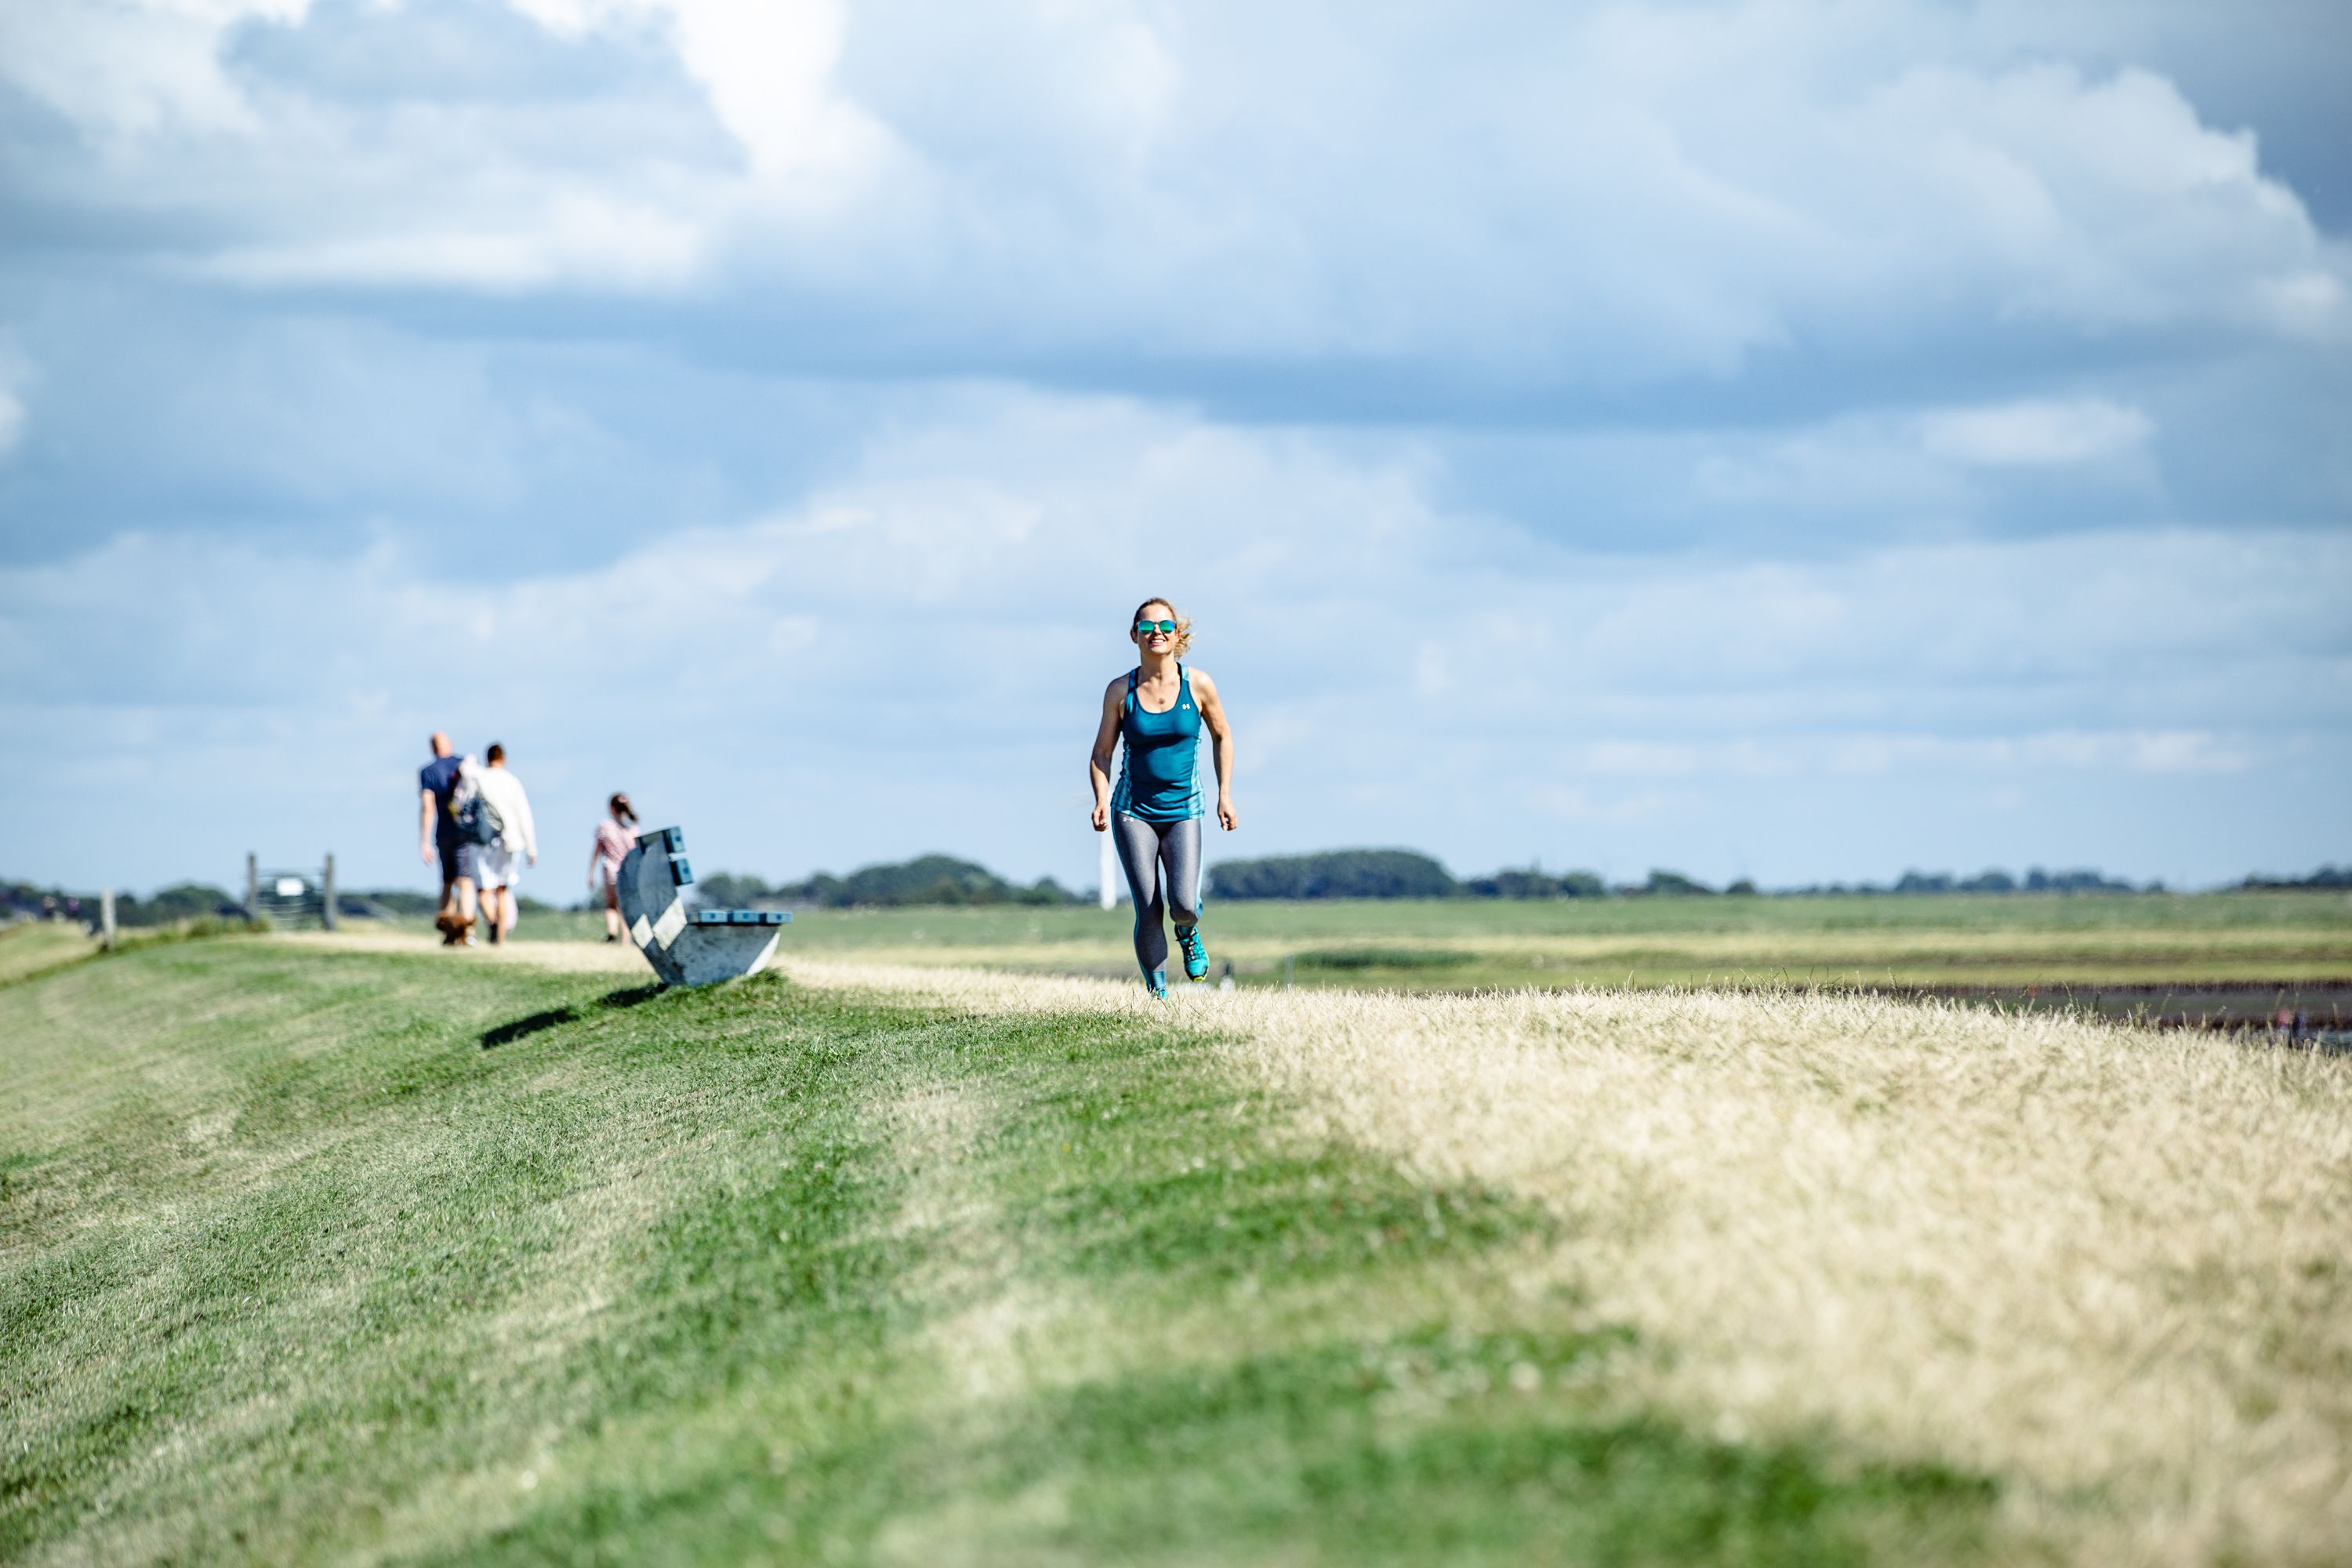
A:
(327, 888)
(106, 918)
(252, 887)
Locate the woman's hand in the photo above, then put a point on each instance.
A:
(1227, 817)
(1102, 818)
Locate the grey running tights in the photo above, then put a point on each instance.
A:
(1145, 849)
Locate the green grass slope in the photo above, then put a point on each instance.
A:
(309, 1254)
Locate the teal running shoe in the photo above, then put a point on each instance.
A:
(1156, 983)
(1196, 951)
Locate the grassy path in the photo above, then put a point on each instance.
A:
(1464, 944)
(308, 1252)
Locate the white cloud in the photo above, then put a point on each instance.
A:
(959, 592)
(571, 238)
(2035, 433)
(2312, 303)
(767, 66)
(16, 375)
(132, 66)
(151, 67)
(1607, 196)
(1016, 519)
(1942, 472)
(297, 187)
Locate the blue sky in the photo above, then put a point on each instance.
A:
(1800, 440)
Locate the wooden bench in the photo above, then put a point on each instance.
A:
(688, 946)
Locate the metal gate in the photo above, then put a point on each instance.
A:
(291, 900)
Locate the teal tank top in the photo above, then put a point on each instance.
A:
(1157, 777)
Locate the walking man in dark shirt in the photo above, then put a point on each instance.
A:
(437, 832)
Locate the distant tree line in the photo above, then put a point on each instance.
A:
(2035, 881)
(925, 880)
(180, 902)
(2325, 877)
(201, 901)
(1335, 874)
(1407, 874)
(942, 880)
(378, 903)
(1535, 884)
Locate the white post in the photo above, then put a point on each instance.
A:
(1109, 894)
(106, 915)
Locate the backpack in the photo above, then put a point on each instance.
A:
(478, 820)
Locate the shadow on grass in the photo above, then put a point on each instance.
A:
(522, 1028)
(506, 1034)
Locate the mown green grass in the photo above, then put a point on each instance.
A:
(1478, 943)
(307, 1254)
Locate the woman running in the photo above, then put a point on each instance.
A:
(1159, 708)
(615, 837)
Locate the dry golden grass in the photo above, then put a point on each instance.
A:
(33, 946)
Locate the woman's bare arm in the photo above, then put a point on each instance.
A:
(1221, 734)
(1106, 742)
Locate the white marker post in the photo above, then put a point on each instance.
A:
(1109, 874)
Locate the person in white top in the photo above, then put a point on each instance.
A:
(498, 868)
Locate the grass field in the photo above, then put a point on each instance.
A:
(37, 946)
(1476, 944)
(345, 1248)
